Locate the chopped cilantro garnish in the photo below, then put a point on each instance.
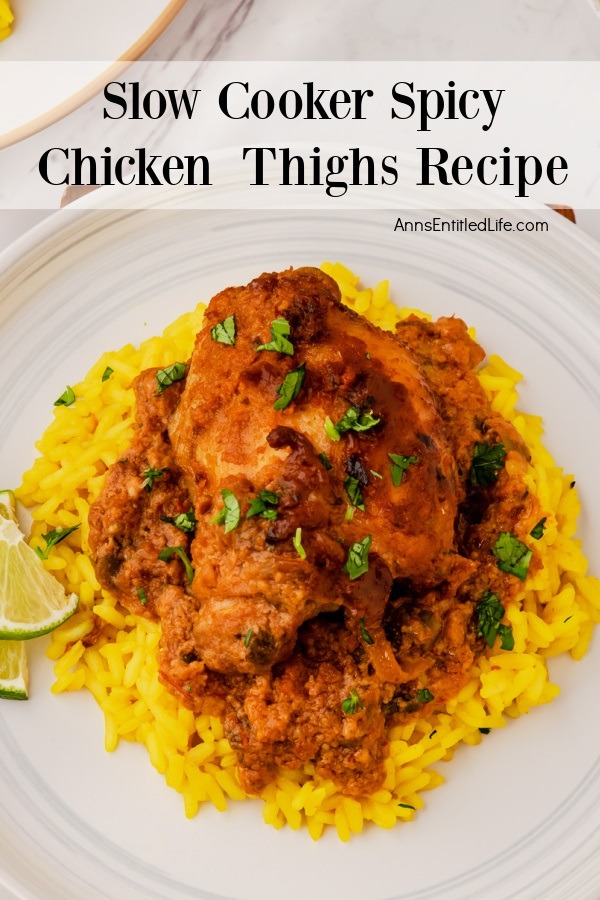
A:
(150, 476)
(352, 487)
(289, 388)
(352, 420)
(358, 558)
(186, 522)
(263, 505)
(330, 430)
(538, 530)
(52, 538)
(166, 554)
(166, 377)
(107, 373)
(66, 398)
(351, 704)
(143, 597)
(224, 332)
(230, 514)
(279, 343)
(364, 633)
(325, 460)
(248, 637)
(486, 463)
(424, 696)
(489, 612)
(513, 555)
(399, 465)
(297, 542)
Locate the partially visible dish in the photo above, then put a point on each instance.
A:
(84, 37)
(551, 613)
(6, 19)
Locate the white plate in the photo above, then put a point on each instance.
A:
(104, 36)
(520, 815)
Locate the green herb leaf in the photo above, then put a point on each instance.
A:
(399, 465)
(406, 806)
(297, 542)
(263, 505)
(507, 638)
(150, 476)
(52, 538)
(166, 554)
(289, 388)
(325, 460)
(143, 597)
(351, 704)
(538, 530)
(224, 332)
(486, 463)
(353, 420)
(107, 373)
(248, 637)
(489, 611)
(352, 487)
(364, 633)
(424, 696)
(513, 555)
(230, 514)
(166, 377)
(66, 398)
(358, 558)
(279, 343)
(375, 474)
(186, 522)
(330, 430)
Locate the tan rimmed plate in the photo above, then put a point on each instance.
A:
(99, 40)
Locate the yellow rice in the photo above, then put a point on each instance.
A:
(6, 19)
(554, 613)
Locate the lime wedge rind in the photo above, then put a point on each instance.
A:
(14, 676)
(13, 690)
(22, 631)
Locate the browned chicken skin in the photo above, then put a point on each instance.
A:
(227, 435)
(275, 640)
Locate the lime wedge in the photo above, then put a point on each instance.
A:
(32, 601)
(14, 679)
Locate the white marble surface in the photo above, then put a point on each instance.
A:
(339, 29)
